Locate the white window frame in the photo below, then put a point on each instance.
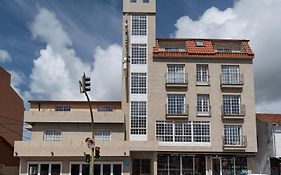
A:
(203, 105)
(139, 114)
(170, 138)
(230, 74)
(233, 139)
(96, 162)
(232, 108)
(53, 137)
(139, 53)
(178, 110)
(137, 30)
(43, 162)
(176, 73)
(103, 136)
(138, 83)
(202, 74)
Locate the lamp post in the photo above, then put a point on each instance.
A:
(84, 87)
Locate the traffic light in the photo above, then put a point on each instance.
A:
(88, 158)
(97, 152)
(85, 84)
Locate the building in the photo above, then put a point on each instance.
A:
(269, 144)
(11, 124)
(187, 107)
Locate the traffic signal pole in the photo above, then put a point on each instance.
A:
(84, 87)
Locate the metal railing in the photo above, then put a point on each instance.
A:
(203, 112)
(234, 140)
(232, 79)
(232, 110)
(176, 109)
(176, 78)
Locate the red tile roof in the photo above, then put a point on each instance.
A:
(270, 118)
(207, 51)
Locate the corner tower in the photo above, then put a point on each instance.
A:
(138, 40)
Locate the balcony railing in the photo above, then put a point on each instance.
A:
(203, 112)
(233, 110)
(177, 110)
(234, 141)
(176, 78)
(232, 79)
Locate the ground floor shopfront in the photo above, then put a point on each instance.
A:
(142, 163)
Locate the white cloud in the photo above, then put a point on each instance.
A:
(57, 70)
(4, 56)
(255, 20)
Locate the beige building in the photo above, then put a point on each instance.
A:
(187, 108)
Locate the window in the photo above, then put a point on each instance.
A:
(203, 106)
(230, 75)
(231, 105)
(232, 135)
(62, 108)
(181, 131)
(103, 135)
(105, 108)
(145, 1)
(138, 83)
(202, 75)
(139, 25)
(176, 105)
(107, 168)
(53, 135)
(138, 117)
(44, 168)
(139, 54)
(133, 1)
(199, 43)
(141, 166)
(176, 74)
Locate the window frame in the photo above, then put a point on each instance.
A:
(139, 53)
(139, 25)
(138, 118)
(39, 163)
(176, 73)
(203, 103)
(52, 137)
(202, 74)
(138, 83)
(234, 106)
(233, 139)
(103, 137)
(180, 109)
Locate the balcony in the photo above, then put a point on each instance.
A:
(176, 80)
(233, 111)
(231, 80)
(234, 143)
(72, 117)
(177, 111)
(203, 112)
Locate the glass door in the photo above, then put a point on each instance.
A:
(216, 166)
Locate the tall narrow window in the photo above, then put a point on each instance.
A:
(138, 117)
(139, 52)
(176, 105)
(139, 25)
(176, 74)
(232, 135)
(230, 75)
(203, 106)
(202, 75)
(138, 83)
(231, 105)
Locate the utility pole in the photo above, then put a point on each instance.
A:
(85, 85)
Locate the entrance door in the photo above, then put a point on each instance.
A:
(216, 166)
(141, 167)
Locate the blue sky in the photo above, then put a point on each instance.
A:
(43, 41)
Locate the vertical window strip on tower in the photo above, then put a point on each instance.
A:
(138, 83)
(138, 117)
(202, 73)
(139, 53)
(139, 25)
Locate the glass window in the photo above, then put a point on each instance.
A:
(105, 108)
(203, 104)
(62, 108)
(201, 132)
(85, 169)
(139, 53)
(117, 169)
(75, 169)
(139, 25)
(227, 164)
(202, 74)
(187, 165)
(33, 169)
(55, 169)
(176, 74)
(97, 169)
(230, 75)
(145, 1)
(103, 135)
(133, 1)
(176, 105)
(44, 169)
(138, 117)
(138, 83)
(54, 135)
(106, 169)
(232, 135)
(231, 104)
(199, 43)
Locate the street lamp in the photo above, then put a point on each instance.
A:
(85, 85)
